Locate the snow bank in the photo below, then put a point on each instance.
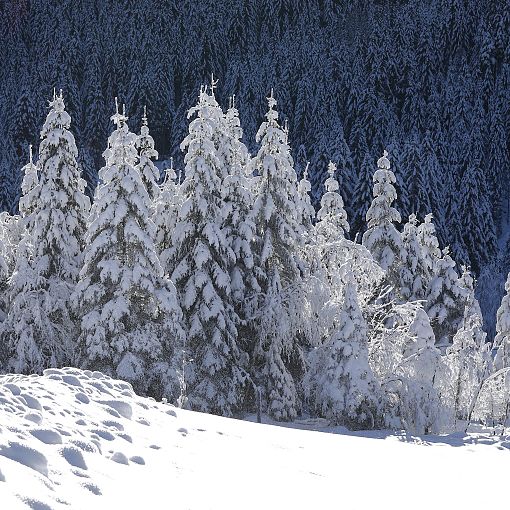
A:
(78, 439)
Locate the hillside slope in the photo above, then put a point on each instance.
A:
(74, 439)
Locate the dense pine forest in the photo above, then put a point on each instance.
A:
(428, 80)
(311, 237)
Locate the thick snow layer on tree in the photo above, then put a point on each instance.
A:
(78, 439)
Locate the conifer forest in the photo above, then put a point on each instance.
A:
(299, 208)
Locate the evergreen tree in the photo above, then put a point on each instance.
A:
(129, 312)
(306, 210)
(421, 366)
(332, 223)
(30, 191)
(382, 239)
(39, 327)
(445, 300)
(340, 384)
(502, 340)
(239, 225)
(165, 217)
(276, 214)
(431, 252)
(468, 358)
(201, 263)
(145, 166)
(413, 271)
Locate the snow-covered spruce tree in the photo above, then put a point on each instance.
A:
(30, 189)
(306, 210)
(145, 166)
(430, 246)
(39, 326)
(276, 215)
(446, 299)
(239, 226)
(382, 239)
(420, 370)
(502, 339)
(413, 269)
(340, 384)
(332, 221)
(330, 243)
(130, 318)
(166, 211)
(469, 362)
(201, 262)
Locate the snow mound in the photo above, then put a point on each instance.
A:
(110, 448)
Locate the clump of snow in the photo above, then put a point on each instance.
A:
(153, 455)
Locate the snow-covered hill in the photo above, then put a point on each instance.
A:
(77, 439)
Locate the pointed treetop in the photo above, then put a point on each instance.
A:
(383, 163)
(213, 84)
(331, 169)
(144, 118)
(271, 100)
(413, 220)
(305, 171)
(331, 183)
(57, 103)
(30, 154)
(119, 119)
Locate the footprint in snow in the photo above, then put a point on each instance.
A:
(137, 460)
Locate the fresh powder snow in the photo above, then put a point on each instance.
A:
(79, 439)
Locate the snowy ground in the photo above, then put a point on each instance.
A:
(74, 439)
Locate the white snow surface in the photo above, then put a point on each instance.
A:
(78, 440)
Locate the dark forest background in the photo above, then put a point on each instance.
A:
(428, 80)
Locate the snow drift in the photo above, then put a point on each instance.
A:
(79, 439)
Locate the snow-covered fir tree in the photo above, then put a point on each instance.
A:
(130, 317)
(306, 210)
(166, 211)
(332, 221)
(239, 226)
(382, 238)
(420, 406)
(469, 362)
(413, 269)
(201, 263)
(30, 190)
(430, 246)
(276, 215)
(502, 340)
(340, 384)
(39, 327)
(146, 166)
(445, 300)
